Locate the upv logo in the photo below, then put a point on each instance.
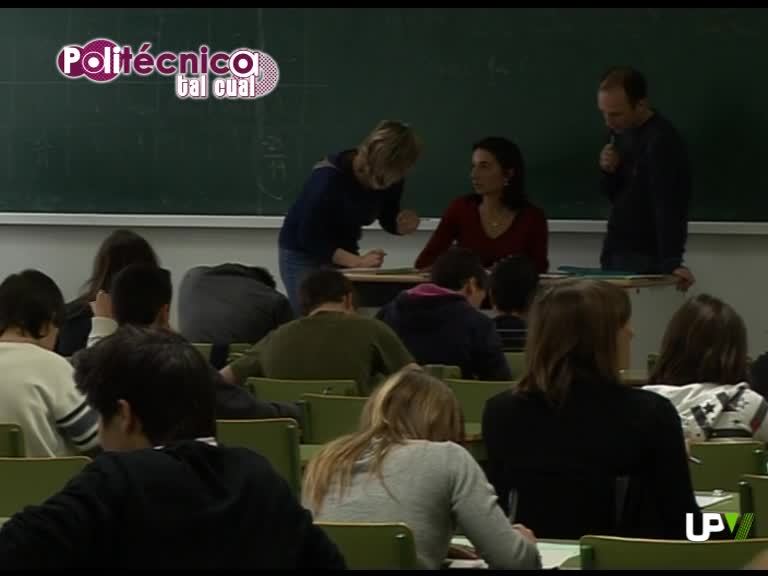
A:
(739, 525)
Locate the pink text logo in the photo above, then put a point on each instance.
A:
(243, 73)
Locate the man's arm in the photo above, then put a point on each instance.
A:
(669, 188)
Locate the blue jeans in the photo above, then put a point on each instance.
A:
(294, 267)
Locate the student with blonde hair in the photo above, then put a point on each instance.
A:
(346, 191)
(702, 370)
(578, 451)
(404, 465)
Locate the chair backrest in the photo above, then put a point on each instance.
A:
(611, 553)
(373, 546)
(30, 481)
(753, 494)
(443, 371)
(204, 348)
(11, 441)
(512, 340)
(516, 361)
(276, 439)
(278, 390)
(328, 417)
(472, 395)
(724, 462)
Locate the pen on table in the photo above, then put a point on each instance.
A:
(694, 459)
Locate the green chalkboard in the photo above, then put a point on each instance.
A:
(131, 146)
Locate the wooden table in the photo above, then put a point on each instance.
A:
(374, 289)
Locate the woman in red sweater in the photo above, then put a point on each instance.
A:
(498, 220)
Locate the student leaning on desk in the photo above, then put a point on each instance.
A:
(345, 192)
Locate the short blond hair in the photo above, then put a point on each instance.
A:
(391, 148)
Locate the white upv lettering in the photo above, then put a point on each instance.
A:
(711, 522)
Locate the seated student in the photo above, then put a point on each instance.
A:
(404, 465)
(331, 342)
(514, 282)
(497, 220)
(37, 391)
(439, 321)
(230, 303)
(165, 496)
(702, 370)
(119, 249)
(579, 452)
(141, 296)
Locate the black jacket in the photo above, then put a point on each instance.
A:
(606, 452)
(443, 328)
(187, 506)
(73, 333)
(650, 195)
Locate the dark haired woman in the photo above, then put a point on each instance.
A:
(118, 250)
(497, 220)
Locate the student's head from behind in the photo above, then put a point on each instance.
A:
(141, 295)
(150, 387)
(410, 405)
(498, 169)
(326, 287)
(120, 249)
(622, 97)
(513, 285)
(386, 155)
(461, 270)
(578, 330)
(31, 307)
(705, 342)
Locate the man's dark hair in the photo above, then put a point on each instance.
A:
(167, 382)
(322, 287)
(456, 266)
(29, 301)
(514, 281)
(630, 80)
(139, 292)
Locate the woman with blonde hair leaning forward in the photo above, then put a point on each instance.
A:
(345, 192)
(404, 465)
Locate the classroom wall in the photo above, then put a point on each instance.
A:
(730, 266)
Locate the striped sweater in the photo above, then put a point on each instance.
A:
(37, 392)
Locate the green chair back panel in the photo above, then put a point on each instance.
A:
(373, 546)
(31, 481)
(11, 441)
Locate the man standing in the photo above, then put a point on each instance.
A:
(646, 177)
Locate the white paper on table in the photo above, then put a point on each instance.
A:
(552, 554)
(704, 501)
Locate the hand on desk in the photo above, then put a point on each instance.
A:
(685, 277)
(526, 533)
(372, 259)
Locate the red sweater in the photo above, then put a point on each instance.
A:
(461, 224)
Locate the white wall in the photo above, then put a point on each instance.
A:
(729, 266)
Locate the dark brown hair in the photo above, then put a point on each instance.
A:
(705, 341)
(572, 335)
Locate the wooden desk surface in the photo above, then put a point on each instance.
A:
(383, 277)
